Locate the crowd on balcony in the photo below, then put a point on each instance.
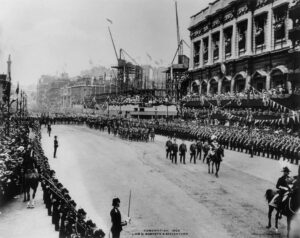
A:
(275, 92)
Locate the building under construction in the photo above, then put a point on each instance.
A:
(129, 77)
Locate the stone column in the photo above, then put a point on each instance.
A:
(268, 82)
(201, 53)
(221, 45)
(234, 48)
(219, 86)
(191, 66)
(208, 87)
(249, 34)
(268, 32)
(248, 79)
(232, 85)
(210, 55)
(200, 88)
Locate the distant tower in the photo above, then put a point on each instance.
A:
(9, 69)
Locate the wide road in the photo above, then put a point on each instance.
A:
(184, 199)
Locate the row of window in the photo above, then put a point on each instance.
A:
(259, 37)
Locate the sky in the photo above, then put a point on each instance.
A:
(55, 36)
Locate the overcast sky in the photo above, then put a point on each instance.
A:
(52, 36)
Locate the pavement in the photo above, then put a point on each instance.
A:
(17, 221)
(181, 199)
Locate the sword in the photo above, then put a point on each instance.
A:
(129, 206)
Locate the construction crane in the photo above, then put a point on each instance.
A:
(179, 42)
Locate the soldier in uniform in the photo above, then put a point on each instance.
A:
(116, 219)
(49, 129)
(168, 148)
(283, 187)
(199, 149)
(182, 152)
(174, 152)
(193, 152)
(205, 150)
(55, 146)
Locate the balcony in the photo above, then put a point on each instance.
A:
(260, 48)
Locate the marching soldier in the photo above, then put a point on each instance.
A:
(174, 152)
(182, 152)
(193, 152)
(199, 149)
(168, 148)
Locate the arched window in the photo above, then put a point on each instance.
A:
(213, 88)
(226, 84)
(203, 87)
(258, 80)
(239, 82)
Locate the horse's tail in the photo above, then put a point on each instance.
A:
(269, 195)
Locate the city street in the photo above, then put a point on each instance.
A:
(185, 199)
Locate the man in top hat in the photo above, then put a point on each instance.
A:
(116, 219)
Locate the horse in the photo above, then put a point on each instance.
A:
(215, 159)
(31, 181)
(289, 208)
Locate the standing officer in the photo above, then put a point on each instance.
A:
(116, 219)
(199, 149)
(182, 151)
(168, 148)
(55, 146)
(193, 152)
(49, 129)
(174, 152)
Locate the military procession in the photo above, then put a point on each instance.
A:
(206, 144)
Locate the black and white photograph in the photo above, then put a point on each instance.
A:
(149, 118)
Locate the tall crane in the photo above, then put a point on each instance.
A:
(179, 42)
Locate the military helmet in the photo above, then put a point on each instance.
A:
(115, 201)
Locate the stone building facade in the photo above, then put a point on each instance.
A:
(238, 45)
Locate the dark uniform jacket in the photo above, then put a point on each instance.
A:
(116, 220)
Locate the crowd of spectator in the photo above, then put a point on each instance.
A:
(66, 218)
(12, 148)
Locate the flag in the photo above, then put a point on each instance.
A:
(110, 21)
(17, 90)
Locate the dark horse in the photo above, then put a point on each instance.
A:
(215, 159)
(290, 206)
(31, 181)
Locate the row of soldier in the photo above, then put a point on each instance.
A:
(198, 150)
(254, 142)
(271, 144)
(66, 218)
